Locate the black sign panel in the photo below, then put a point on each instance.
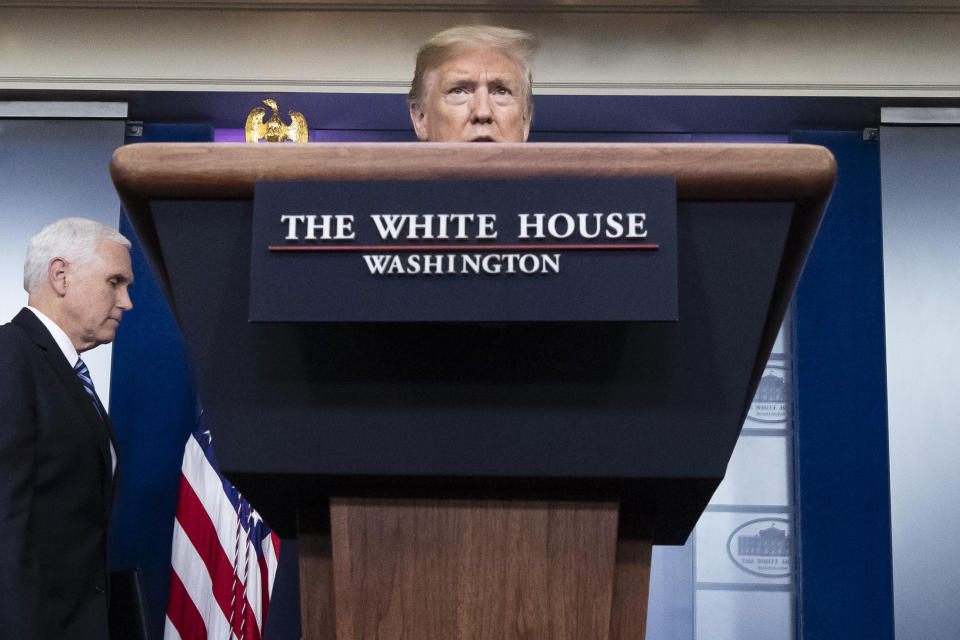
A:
(541, 249)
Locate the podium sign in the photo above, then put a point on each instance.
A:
(545, 249)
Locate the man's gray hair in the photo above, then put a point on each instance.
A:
(518, 46)
(73, 239)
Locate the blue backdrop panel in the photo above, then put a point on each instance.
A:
(842, 472)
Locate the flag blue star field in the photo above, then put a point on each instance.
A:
(224, 557)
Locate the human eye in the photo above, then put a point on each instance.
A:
(503, 95)
(457, 94)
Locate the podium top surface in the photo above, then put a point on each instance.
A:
(703, 171)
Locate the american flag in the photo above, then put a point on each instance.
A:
(224, 556)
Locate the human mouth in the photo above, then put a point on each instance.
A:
(483, 139)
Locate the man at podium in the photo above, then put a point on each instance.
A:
(473, 84)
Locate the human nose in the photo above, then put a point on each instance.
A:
(481, 106)
(124, 302)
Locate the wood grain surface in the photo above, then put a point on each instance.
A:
(316, 571)
(428, 569)
(230, 170)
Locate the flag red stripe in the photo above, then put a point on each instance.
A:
(237, 617)
(202, 509)
(264, 586)
(252, 630)
(183, 613)
(198, 526)
(244, 619)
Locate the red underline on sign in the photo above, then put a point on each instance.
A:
(473, 247)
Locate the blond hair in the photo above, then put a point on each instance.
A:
(518, 46)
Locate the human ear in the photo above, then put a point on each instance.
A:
(419, 118)
(57, 275)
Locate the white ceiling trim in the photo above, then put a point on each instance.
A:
(514, 6)
(541, 88)
(71, 109)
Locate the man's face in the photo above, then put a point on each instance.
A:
(474, 97)
(97, 294)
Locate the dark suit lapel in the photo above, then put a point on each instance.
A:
(100, 429)
(114, 473)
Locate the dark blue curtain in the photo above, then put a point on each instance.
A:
(842, 471)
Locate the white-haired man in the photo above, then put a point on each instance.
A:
(58, 455)
(473, 84)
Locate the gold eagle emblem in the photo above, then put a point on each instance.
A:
(274, 130)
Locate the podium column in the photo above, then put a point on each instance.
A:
(441, 569)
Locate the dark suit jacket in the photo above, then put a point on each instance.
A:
(56, 492)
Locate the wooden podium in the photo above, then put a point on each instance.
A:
(436, 499)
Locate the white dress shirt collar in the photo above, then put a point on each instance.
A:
(59, 336)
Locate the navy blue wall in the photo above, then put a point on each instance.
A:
(842, 471)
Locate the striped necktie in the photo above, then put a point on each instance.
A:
(84, 375)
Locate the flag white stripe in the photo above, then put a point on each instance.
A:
(192, 571)
(270, 556)
(188, 564)
(169, 631)
(206, 483)
(253, 592)
(208, 486)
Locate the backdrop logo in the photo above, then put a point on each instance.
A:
(762, 547)
(770, 402)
